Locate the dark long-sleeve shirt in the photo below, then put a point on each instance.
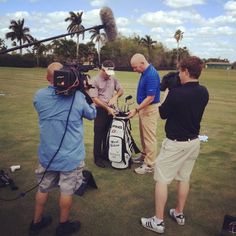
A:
(183, 109)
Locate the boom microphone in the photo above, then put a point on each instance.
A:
(108, 23)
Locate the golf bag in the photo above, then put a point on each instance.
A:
(120, 143)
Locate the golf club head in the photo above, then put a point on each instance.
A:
(128, 97)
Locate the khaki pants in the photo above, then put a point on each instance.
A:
(148, 125)
(176, 160)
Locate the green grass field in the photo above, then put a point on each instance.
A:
(123, 197)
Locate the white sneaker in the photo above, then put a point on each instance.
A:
(179, 218)
(137, 160)
(143, 169)
(150, 223)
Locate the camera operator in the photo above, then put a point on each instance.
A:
(61, 138)
(105, 92)
(183, 109)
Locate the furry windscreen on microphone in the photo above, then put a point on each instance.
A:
(109, 23)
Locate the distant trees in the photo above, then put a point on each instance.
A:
(234, 65)
(2, 45)
(38, 49)
(149, 44)
(64, 49)
(75, 26)
(121, 51)
(19, 32)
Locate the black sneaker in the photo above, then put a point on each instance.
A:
(67, 228)
(35, 228)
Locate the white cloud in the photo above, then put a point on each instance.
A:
(98, 3)
(226, 30)
(122, 21)
(18, 15)
(211, 32)
(215, 49)
(171, 18)
(91, 18)
(158, 18)
(230, 6)
(57, 15)
(158, 30)
(181, 3)
(125, 31)
(222, 20)
(3, 31)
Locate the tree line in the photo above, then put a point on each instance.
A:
(93, 52)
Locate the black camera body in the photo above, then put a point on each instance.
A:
(170, 80)
(72, 77)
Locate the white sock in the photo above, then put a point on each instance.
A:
(177, 214)
(157, 220)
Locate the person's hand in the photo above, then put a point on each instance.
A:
(132, 113)
(112, 101)
(111, 111)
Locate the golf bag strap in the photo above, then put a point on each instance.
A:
(134, 145)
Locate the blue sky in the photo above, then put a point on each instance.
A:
(209, 26)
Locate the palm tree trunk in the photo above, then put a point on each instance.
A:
(37, 57)
(149, 53)
(99, 55)
(77, 49)
(20, 48)
(177, 52)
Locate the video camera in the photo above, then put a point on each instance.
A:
(72, 77)
(170, 80)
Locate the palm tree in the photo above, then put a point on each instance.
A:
(19, 33)
(64, 49)
(137, 39)
(38, 49)
(2, 45)
(99, 38)
(148, 43)
(178, 36)
(75, 26)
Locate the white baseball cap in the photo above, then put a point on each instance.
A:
(108, 70)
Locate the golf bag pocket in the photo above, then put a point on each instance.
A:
(115, 149)
(119, 144)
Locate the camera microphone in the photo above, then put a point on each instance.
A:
(108, 23)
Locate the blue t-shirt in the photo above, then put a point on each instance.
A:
(53, 111)
(149, 85)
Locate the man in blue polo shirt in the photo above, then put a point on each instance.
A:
(148, 96)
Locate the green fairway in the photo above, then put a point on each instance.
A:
(122, 196)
